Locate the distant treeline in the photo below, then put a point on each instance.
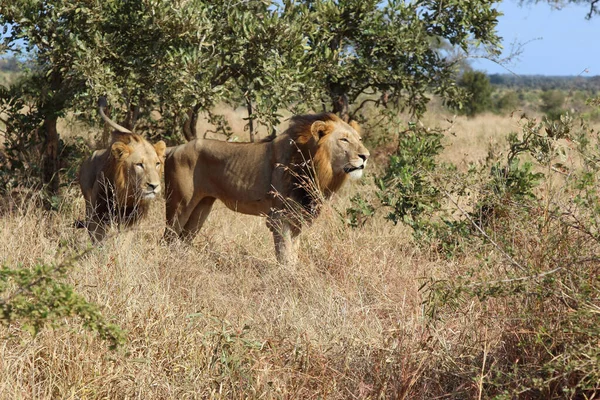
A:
(543, 82)
(10, 64)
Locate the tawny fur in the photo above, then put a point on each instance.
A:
(119, 183)
(269, 178)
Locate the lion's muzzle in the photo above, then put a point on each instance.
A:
(355, 168)
(152, 190)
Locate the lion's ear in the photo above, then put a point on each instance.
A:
(318, 129)
(355, 126)
(160, 148)
(120, 150)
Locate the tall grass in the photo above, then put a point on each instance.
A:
(221, 319)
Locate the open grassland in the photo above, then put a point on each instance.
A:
(221, 319)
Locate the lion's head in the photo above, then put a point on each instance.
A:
(135, 168)
(334, 146)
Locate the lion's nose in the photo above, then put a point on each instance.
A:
(364, 156)
(152, 186)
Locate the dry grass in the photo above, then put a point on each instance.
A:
(221, 319)
(235, 119)
(472, 137)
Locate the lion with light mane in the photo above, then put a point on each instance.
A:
(119, 183)
(282, 178)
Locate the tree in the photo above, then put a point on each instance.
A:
(479, 89)
(137, 53)
(264, 52)
(389, 50)
(552, 103)
(183, 57)
(48, 29)
(558, 4)
(509, 101)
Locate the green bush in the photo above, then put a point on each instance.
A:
(534, 223)
(479, 90)
(552, 103)
(36, 296)
(508, 102)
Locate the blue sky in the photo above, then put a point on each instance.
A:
(557, 42)
(567, 45)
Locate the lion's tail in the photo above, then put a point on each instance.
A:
(169, 151)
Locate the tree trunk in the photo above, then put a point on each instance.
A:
(50, 165)
(132, 116)
(250, 119)
(106, 131)
(189, 126)
(341, 107)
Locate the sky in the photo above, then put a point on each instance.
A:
(557, 42)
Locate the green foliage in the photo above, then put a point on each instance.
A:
(479, 90)
(20, 121)
(266, 50)
(37, 296)
(359, 213)
(508, 102)
(408, 192)
(21, 164)
(552, 103)
(392, 49)
(533, 220)
(408, 173)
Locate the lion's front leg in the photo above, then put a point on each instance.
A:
(97, 230)
(94, 223)
(286, 240)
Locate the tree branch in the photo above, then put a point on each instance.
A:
(362, 104)
(496, 245)
(592, 9)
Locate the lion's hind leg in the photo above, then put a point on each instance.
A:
(197, 218)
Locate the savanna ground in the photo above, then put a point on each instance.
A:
(221, 319)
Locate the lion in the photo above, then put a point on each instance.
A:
(119, 183)
(283, 178)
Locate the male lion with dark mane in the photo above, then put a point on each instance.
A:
(282, 178)
(119, 183)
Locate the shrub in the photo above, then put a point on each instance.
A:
(552, 103)
(37, 296)
(508, 102)
(477, 85)
(533, 220)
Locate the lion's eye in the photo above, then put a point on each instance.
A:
(345, 140)
(140, 165)
(157, 165)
